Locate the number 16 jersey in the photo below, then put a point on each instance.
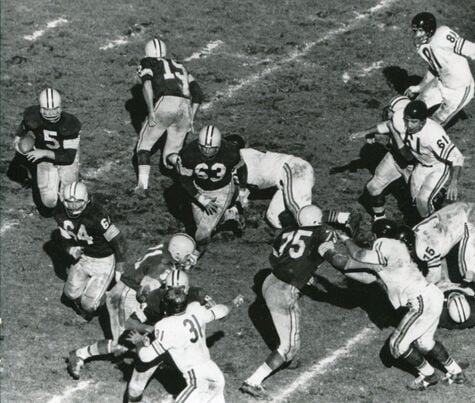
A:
(295, 256)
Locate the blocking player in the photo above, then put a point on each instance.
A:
(448, 81)
(389, 261)
(297, 253)
(95, 243)
(393, 165)
(205, 167)
(173, 97)
(127, 301)
(182, 333)
(56, 146)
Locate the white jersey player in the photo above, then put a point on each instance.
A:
(390, 263)
(448, 81)
(438, 234)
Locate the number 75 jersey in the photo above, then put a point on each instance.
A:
(295, 256)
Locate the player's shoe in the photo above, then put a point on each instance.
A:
(140, 192)
(256, 391)
(423, 382)
(458, 379)
(233, 221)
(74, 365)
(352, 226)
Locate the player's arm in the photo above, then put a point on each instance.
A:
(416, 89)
(116, 241)
(197, 95)
(136, 322)
(396, 137)
(449, 152)
(465, 48)
(380, 128)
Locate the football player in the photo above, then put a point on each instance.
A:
(292, 177)
(389, 261)
(297, 253)
(448, 81)
(182, 333)
(173, 97)
(95, 243)
(205, 167)
(392, 167)
(55, 155)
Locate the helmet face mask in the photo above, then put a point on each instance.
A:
(155, 48)
(75, 199)
(209, 141)
(50, 105)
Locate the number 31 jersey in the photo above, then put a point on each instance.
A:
(92, 230)
(295, 255)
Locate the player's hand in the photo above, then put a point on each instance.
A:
(244, 197)
(341, 236)
(412, 91)
(238, 301)
(211, 207)
(152, 119)
(75, 251)
(452, 191)
(36, 155)
(137, 339)
(358, 135)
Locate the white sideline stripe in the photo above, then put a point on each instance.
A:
(8, 225)
(323, 365)
(123, 40)
(68, 392)
(208, 49)
(49, 25)
(297, 54)
(346, 76)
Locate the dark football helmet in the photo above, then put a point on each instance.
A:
(416, 110)
(175, 301)
(385, 228)
(236, 139)
(405, 234)
(425, 21)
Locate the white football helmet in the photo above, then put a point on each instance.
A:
(177, 279)
(155, 48)
(309, 216)
(209, 141)
(75, 198)
(458, 307)
(181, 247)
(50, 104)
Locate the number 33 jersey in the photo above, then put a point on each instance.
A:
(213, 173)
(92, 230)
(295, 256)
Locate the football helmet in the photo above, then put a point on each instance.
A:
(236, 139)
(209, 141)
(385, 228)
(423, 27)
(396, 103)
(458, 307)
(178, 279)
(309, 216)
(155, 48)
(50, 104)
(175, 301)
(415, 115)
(405, 234)
(181, 247)
(75, 198)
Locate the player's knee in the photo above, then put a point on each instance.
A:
(71, 291)
(273, 219)
(423, 206)
(375, 188)
(89, 304)
(424, 345)
(397, 347)
(49, 199)
(134, 391)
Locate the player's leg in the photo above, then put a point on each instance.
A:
(431, 94)
(297, 186)
(466, 253)
(139, 380)
(218, 382)
(432, 183)
(75, 284)
(101, 273)
(68, 173)
(47, 178)
(453, 101)
(276, 207)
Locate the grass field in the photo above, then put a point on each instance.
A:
(290, 76)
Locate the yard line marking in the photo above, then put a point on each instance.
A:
(296, 54)
(207, 50)
(324, 364)
(68, 392)
(49, 25)
(362, 72)
(8, 225)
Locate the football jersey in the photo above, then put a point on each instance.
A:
(440, 232)
(264, 169)
(209, 173)
(184, 336)
(443, 54)
(398, 274)
(431, 145)
(55, 136)
(92, 230)
(168, 77)
(295, 256)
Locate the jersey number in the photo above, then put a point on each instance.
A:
(194, 328)
(82, 234)
(214, 172)
(431, 59)
(178, 74)
(50, 139)
(297, 244)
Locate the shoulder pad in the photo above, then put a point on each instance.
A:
(32, 116)
(71, 124)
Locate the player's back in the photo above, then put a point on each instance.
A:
(184, 336)
(264, 168)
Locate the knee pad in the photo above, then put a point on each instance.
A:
(273, 219)
(89, 305)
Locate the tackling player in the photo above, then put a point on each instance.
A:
(172, 96)
(389, 261)
(448, 81)
(205, 167)
(296, 255)
(55, 154)
(95, 243)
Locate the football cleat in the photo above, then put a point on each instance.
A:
(209, 141)
(74, 365)
(140, 192)
(75, 198)
(256, 391)
(155, 48)
(352, 226)
(423, 382)
(459, 378)
(50, 104)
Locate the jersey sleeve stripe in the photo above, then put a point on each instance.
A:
(71, 143)
(459, 45)
(381, 258)
(445, 154)
(111, 232)
(146, 72)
